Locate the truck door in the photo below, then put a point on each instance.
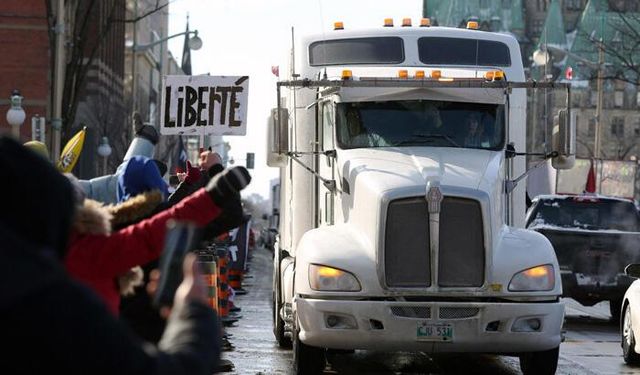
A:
(326, 164)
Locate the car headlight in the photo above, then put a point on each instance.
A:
(332, 279)
(533, 279)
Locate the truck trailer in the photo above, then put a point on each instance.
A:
(402, 157)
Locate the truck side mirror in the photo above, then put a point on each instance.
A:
(277, 138)
(563, 139)
(632, 270)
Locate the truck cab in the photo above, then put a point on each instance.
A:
(401, 218)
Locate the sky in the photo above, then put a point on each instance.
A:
(248, 37)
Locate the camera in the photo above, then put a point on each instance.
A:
(179, 239)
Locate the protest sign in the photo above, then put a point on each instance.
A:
(204, 105)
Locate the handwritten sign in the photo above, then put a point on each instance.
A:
(196, 105)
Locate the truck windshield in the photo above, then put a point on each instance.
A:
(596, 214)
(420, 123)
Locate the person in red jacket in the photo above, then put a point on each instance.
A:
(97, 258)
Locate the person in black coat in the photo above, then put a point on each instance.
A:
(53, 324)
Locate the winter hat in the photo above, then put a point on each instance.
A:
(38, 147)
(37, 201)
(140, 174)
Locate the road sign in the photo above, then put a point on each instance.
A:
(204, 105)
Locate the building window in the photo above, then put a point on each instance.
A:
(617, 127)
(593, 98)
(591, 130)
(618, 99)
(636, 127)
(484, 4)
(638, 99)
(506, 4)
(537, 26)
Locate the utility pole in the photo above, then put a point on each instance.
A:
(599, 105)
(134, 78)
(58, 82)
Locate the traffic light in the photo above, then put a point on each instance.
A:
(250, 160)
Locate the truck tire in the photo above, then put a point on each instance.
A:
(628, 339)
(278, 323)
(278, 326)
(615, 308)
(540, 363)
(307, 360)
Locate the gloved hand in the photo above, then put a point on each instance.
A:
(226, 185)
(193, 174)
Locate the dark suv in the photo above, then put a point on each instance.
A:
(594, 238)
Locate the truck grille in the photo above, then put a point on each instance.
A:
(406, 252)
(421, 312)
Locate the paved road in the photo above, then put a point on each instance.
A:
(592, 344)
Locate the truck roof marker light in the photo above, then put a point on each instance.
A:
(473, 25)
(347, 74)
(425, 22)
(403, 73)
(436, 74)
(338, 25)
(419, 74)
(388, 22)
(494, 75)
(406, 22)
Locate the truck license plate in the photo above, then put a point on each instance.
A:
(434, 332)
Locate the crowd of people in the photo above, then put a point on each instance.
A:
(78, 261)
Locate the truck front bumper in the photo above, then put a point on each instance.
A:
(494, 327)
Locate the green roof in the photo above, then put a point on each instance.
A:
(504, 15)
(620, 33)
(554, 32)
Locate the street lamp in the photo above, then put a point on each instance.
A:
(542, 56)
(195, 43)
(104, 150)
(15, 114)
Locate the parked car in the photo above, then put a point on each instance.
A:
(630, 326)
(594, 238)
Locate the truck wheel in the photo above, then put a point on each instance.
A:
(307, 360)
(278, 326)
(628, 340)
(278, 323)
(615, 308)
(540, 363)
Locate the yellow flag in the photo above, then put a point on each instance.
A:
(71, 152)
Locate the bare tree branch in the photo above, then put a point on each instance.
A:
(146, 14)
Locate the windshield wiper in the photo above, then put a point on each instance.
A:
(416, 137)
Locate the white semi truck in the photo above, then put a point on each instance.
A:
(401, 220)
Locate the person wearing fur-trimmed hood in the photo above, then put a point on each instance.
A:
(98, 256)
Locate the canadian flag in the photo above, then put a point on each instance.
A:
(568, 74)
(275, 69)
(590, 186)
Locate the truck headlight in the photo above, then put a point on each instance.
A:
(332, 279)
(534, 279)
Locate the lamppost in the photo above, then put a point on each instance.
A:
(195, 43)
(15, 114)
(104, 150)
